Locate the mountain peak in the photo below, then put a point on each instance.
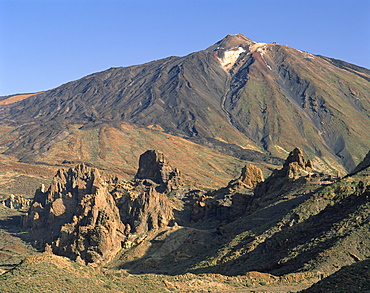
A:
(231, 41)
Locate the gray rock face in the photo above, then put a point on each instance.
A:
(145, 210)
(95, 233)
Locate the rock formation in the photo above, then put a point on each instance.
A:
(87, 217)
(77, 216)
(228, 203)
(154, 166)
(249, 178)
(17, 202)
(144, 205)
(294, 167)
(144, 210)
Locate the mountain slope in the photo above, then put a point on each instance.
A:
(254, 101)
(116, 150)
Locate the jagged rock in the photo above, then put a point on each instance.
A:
(143, 205)
(249, 178)
(365, 163)
(227, 203)
(17, 202)
(57, 204)
(211, 211)
(154, 166)
(77, 216)
(144, 210)
(294, 167)
(202, 203)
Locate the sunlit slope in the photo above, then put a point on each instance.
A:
(290, 98)
(253, 101)
(118, 149)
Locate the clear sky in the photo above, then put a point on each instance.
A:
(45, 43)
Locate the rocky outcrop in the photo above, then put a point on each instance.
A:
(87, 217)
(145, 209)
(249, 178)
(230, 202)
(143, 203)
(294, 167)
(201, 204)
(77, 216)
(17, 202)
(154, 166)
(211, 212)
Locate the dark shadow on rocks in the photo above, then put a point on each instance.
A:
(268, 255)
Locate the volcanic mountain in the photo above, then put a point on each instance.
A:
(253, 101)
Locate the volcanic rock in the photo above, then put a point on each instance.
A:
(154, 166)
(249, 178)
(77, 216)
(143, 203)
(16, 202)
(145, 209)
(214, 97)
(230, 202)
(295, 167)
(230, 42)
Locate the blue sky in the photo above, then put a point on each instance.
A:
(45, 43)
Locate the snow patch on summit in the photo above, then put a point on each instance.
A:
(230, 57)
(259, 47)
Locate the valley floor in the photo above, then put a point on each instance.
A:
(24, 269)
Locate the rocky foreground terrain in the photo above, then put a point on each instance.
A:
(157, 233)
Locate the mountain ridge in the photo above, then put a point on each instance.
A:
(246, 100)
